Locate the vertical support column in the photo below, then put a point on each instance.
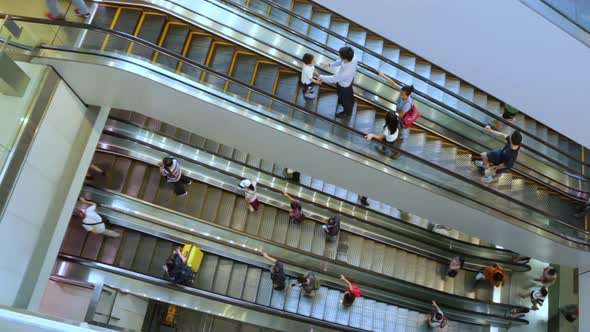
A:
(584, 299)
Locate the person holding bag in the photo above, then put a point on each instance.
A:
(408, 113)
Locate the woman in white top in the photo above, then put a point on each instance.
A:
(249, 188)
(390, 129)
(92, 221)
(537, 297)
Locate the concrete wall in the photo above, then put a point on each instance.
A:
(47, 186)
(502, 47)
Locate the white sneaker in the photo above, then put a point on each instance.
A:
(488, 178)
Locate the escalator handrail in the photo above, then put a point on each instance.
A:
(260, 170)
(398, 66)
(295, 106)
(469, 118)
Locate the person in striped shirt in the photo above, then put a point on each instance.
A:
(170, 169)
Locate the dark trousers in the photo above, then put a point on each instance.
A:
(345, 98)
(180, 185)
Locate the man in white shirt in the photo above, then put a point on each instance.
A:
(343, 79)
(92, 221)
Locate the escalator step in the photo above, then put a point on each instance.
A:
(286, 89)
(197, 141)
(342, 313)
(151, 185)
(251, 284)
(110, 246)
(278, 298)
(319, 240)
(331, 247)
(332, 304)
(228, 201)
(211, 205)
(356, 312)
(340, 28)
(367, 254)
(226, 151)
(144, 254)
(266, 165)
(174, 41)
(322, 19)
(292, 297)
(240, 156)
(138, 119)
(374, 44)
(240, 214)
(162, 251)
(220, 324)
(197, 51)
(378, 258)
(74, 239)
(253, 161)
(293, 234)
(368, 314)
(119, 173)
(207, 272)
(242, 71)
(212, 146)
(354, 250)
(180, 202)
(165, 195)
(221, 281)
(103, 18)
(92, 246)
(389, 262)
(379, 318)
(167, 130)
(305, 304)
(182, 135)
(125, 23)
(280, 16)
(236, 282)
(421, 271)
(196, 199)
(253, 220)
(390, 318)
(279, 232)
(305, 10)
(410, 265)
(136, 178)
(307, 233)
(319, 303)
(150, 31)
(128, 249)
(264, 289)
(220, 62)
(264, 80)
(269, 216)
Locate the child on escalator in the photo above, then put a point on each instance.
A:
(310, 85)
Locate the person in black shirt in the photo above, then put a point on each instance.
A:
(177, 270)
(277, 273)
(499, 160)
(332, 227)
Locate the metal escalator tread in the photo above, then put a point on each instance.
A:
(162, 251)
(126, 22)
(269, 215)
(119, 173)
(237, 279)
(332, 303)
(293, 234)
(196, 199)
(221, 281)
(103, 18)
(92, 246)
(319, 241)
(165, 196)
(222, 58)
(226, 325)
(238, 220)
(212, 146)
(206, 274)
(224, 215)
(264, 289)
(110, 246)
(149, 31)
(356, 311)
(197, 51)
(319, 303)
(278, 298)
(340, 28)
(367, 316)
(306, 236)
(174, 41)
(279, 15)
(211, 204)
(379, 316)
(226, 151)
(264, 80)
(151, 184)
(305, 10)
(331, 247)
(343, 247)
(136, 178)
(253, 220)
(74, 238)
(305, 303)
(286, 88)
(366, 254)
(279, 232)
(378, 258)
(242, 71)
(292, 297)
(251, 284)
(390, 318)
(128, 249)
(342, 313)
(144, 254)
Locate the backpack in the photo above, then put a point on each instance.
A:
(411, 116)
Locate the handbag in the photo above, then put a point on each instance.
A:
(411, 116)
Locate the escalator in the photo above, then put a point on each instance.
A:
(323, 26)
(217, 163)
(541, 169)
(349, 138)
(223, 273)
(274, 78)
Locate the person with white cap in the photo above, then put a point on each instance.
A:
(249, 188)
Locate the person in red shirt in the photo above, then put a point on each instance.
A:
(350, 293)
(494, 274)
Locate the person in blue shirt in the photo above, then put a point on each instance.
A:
(499, 160)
